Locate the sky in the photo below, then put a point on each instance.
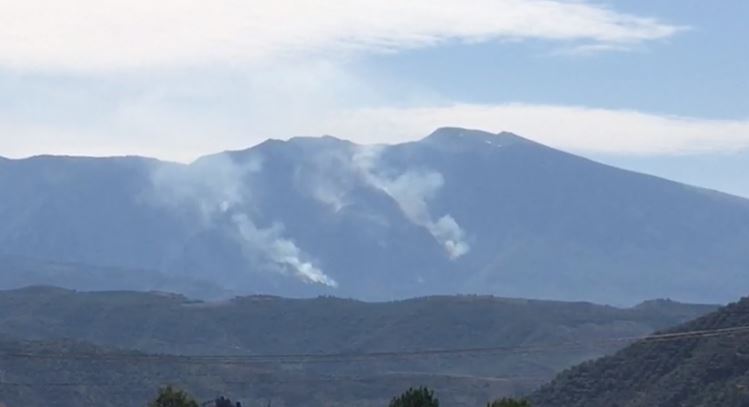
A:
(654, 86)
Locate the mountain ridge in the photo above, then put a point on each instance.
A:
(451, 213)
(183, 335)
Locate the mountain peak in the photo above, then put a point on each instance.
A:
(298, 147)
(325, 140)
(461, 139)
(303, 142)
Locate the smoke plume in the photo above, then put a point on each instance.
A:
(412, 190)
(218, 190)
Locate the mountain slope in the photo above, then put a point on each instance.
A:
(706, 370)
(460, 211)
(554, 225)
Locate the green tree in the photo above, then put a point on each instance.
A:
(505, 402)
(171, 397)
(421, 397)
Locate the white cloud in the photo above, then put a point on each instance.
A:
(271, 69)
(116, 35)
(165, 131)
(577, 129)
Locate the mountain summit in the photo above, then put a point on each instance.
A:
(460, 211)
(456, 137)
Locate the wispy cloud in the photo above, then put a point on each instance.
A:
(163, 133)
(182, 114)
(117, 35)
(575, 128)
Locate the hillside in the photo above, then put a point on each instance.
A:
(262, 325)
(73, 374)
(460, 211)
(709, 369)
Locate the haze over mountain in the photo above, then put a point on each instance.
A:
(461, 211)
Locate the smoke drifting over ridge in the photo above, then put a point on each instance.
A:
(335, 172)
(412, 190)
(330, 179)
(217, 189)
(226, 193)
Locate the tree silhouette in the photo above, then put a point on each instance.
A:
(224, 402)
(171, 397)
(507, 402)
(421, 397)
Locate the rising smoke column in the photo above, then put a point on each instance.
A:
(281, 251)
(412, 190)
(218, 189)
(329, 177)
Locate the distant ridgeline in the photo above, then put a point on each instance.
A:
(460, 211)
(300, 352)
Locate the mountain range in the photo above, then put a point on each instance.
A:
(460, 211)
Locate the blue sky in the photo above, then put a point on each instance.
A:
(701, 72)
(654, 86)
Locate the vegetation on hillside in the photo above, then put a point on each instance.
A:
(171, 397)
(75, 374)
(709, 368)
(160, 324)
(413, 397)
(509, 402)
(416, 397)
(164, 323)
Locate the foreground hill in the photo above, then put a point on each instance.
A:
(550, 335)
(710, 368)
(72, 374)
(459, 211)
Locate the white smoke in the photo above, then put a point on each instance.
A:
(219, 190)
(206, 188)
(328, 179)
(330, 194)
(283, 252)
(412, 190)
(447, 231)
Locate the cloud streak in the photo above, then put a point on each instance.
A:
(167, 133)
(572, 128)
(117, 35)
